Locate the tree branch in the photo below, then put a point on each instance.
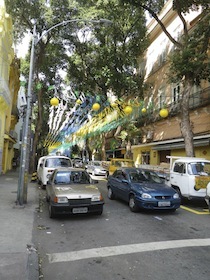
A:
(155, 16)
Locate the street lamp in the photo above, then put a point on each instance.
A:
(23, 172)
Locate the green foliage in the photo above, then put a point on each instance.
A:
(107, 59)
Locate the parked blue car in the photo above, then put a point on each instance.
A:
(142, 189)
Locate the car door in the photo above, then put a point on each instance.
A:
(180, 178)
(122, 185)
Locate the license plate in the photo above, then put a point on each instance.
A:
(164, 203)
(80, 210)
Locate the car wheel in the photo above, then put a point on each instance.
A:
(99, 212)
(51, 211)
(47, 198)
(180, 194)
(110, 194)
(43, 186)
(132, 204)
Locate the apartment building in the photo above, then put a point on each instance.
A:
(9, 86)
(162, 136)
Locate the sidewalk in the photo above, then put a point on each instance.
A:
(18, 258)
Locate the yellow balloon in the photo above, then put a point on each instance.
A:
(96, 107)
(143, 110)
(128, 110)
(164, 113)
(79, 101)
(54, 101)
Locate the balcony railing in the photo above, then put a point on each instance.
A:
(197, 100)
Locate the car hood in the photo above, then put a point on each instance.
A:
(154, 187)
(76, 191)
(99, 167)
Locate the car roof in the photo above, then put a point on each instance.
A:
(135, 168)
(49, 156)
(121, 159)
(69, 169)
(189, 159)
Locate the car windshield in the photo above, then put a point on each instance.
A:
(96, 163)
(123, 163)
(71, 177)
(58, 162)
(144, 175)
(199, 168)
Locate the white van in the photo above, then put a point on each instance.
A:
(46, 166)
(189, 176)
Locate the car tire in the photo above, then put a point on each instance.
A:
(99, 212)
(43, 187)
(110, 194)
(132, 204)
(47, 198)
(180, 194)
(51, 211)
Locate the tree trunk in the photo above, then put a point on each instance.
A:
(33, 162)
(103, 146)
(128, 153)
(185, 124)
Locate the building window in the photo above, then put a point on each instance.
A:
(176, 94)
(145, 158)
(161, 98)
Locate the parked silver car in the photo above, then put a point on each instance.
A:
(72, 191)
(95, 168)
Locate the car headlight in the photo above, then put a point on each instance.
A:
(60, 199)
(176, 195)
(97, 197)
(146, 195)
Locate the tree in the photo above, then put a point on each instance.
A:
(190, 62)
(107, 61)
(50, 52)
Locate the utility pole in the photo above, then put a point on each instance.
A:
(23, 172)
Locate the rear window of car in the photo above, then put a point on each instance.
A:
(58, 162)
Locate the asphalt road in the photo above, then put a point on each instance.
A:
(121, 245)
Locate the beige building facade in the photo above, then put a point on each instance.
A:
(162, 136)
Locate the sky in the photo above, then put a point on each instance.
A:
(22, 48)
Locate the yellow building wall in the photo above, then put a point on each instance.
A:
(9, 85)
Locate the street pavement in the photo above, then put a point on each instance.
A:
(18, 257)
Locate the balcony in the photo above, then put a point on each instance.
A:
(197, 100)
